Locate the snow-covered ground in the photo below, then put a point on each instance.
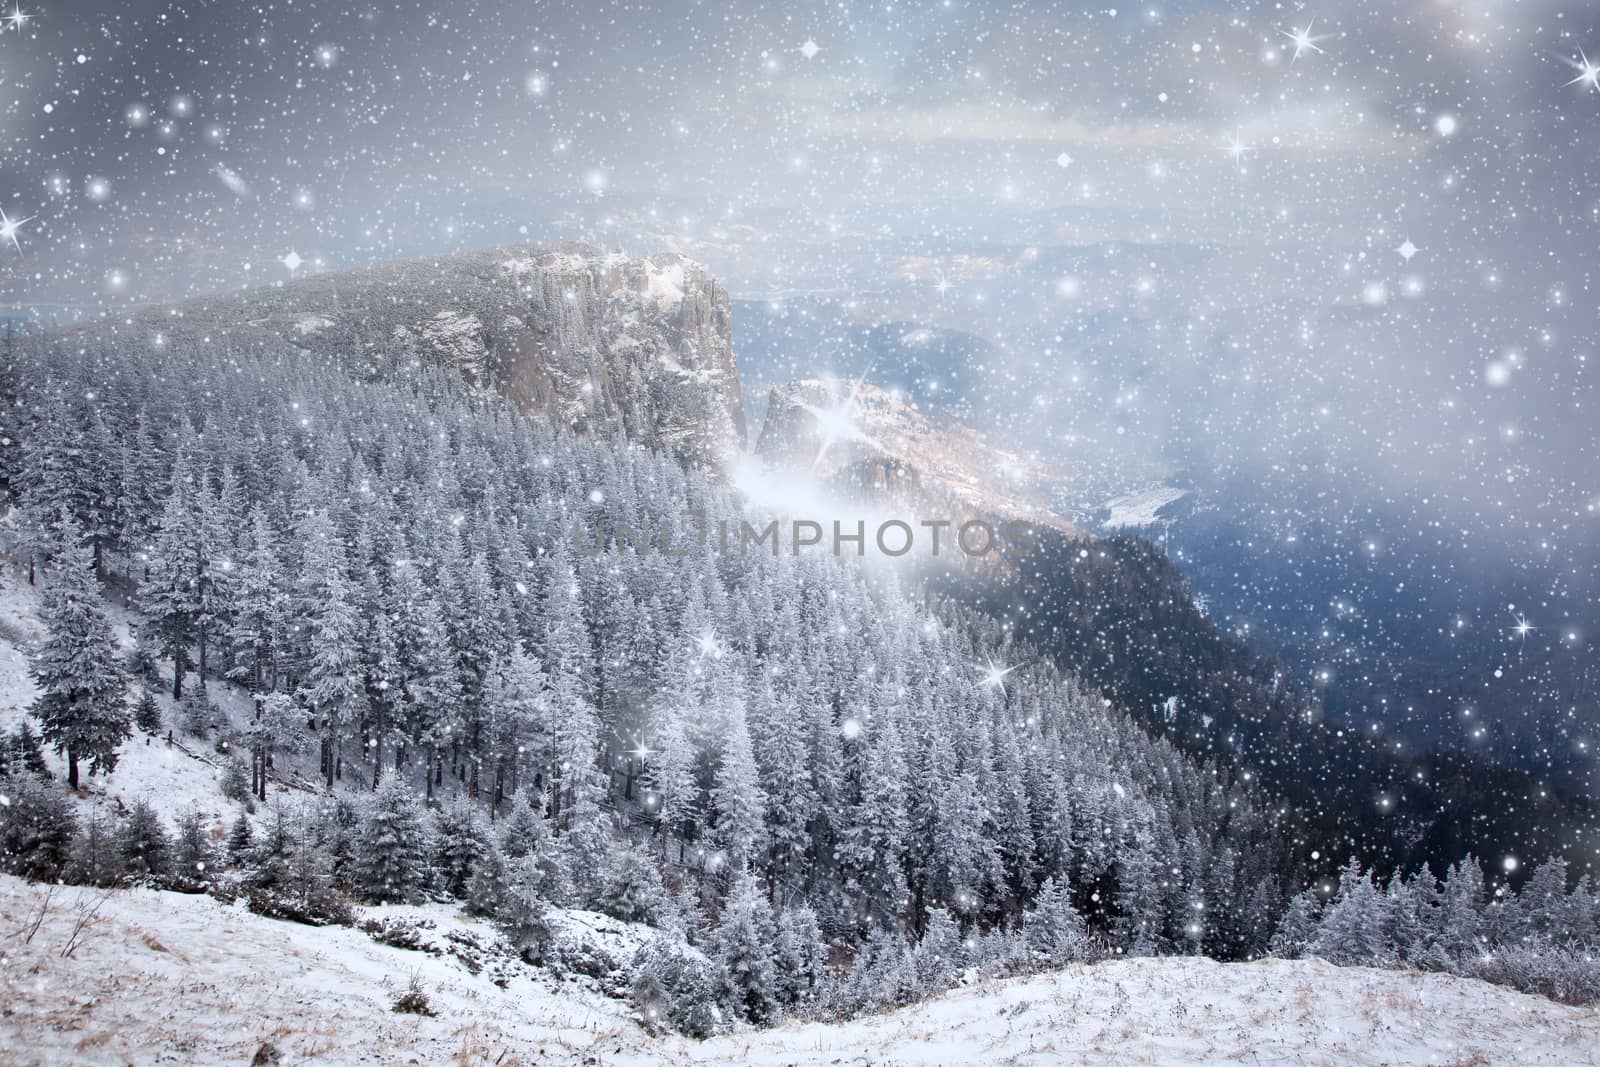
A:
(166, 978)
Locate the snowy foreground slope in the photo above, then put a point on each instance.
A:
(160, 977)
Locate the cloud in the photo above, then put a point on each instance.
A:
(1308, 129)
(938, 268)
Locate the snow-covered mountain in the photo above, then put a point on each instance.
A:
(600, 341)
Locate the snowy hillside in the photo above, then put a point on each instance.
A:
(175, 775)
(213, 983)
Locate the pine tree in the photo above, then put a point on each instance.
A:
(872, 847)
(939, 955)
(196, 713)
(967, 859)
(431, 689)
(800, 957)
(743, 943)
(143, 844)
(673, 794)
(142, 474)
(101, 482)
(303, 872)
(572, 726)
(737, 798)
(278, 728)
(1541, 904)
(96, 859)
(56, 479)
(1405, 932)
(1461, 932)
(523, 830)
(384, 681)
(192, 854)
(585, 846)
(332, 687)
(147, 713)
(37, 829)
(525, 906)
(883, 974)
(460, 838)
(632, 889)
(241, 839)
(1351, 931)
(533, 855)
(1140, 922)
(235, 782)
(516, 701)
(1054, 929)
(80, 706)
(269, 853)
(780, 750)
(11, 415)
(677, 986)
(1298, 926)
(23, 753)
(256, 632)
(391, 845)
(221, 515)
(170, 591)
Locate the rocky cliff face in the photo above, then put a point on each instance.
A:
(878, 445)
(604, 343)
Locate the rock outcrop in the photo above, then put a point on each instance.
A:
(878, 445)
(601, 342)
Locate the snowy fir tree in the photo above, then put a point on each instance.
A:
(147, 713)
(1298, 925)
(80, 705)
(38, 831)
(145, 846)
(1054, 929)
(744, 946)
(193, 854)
(391, 846)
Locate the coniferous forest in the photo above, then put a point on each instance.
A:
(807, 770)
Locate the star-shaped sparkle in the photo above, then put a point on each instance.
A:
(1303, 40)
(810, 49)
(9, 227)
(1407, 250)
(292, 261)
(838, 423)
(994, 674)
(1588, 71)
(18, 18)
(1237, 148)
(708, 646)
